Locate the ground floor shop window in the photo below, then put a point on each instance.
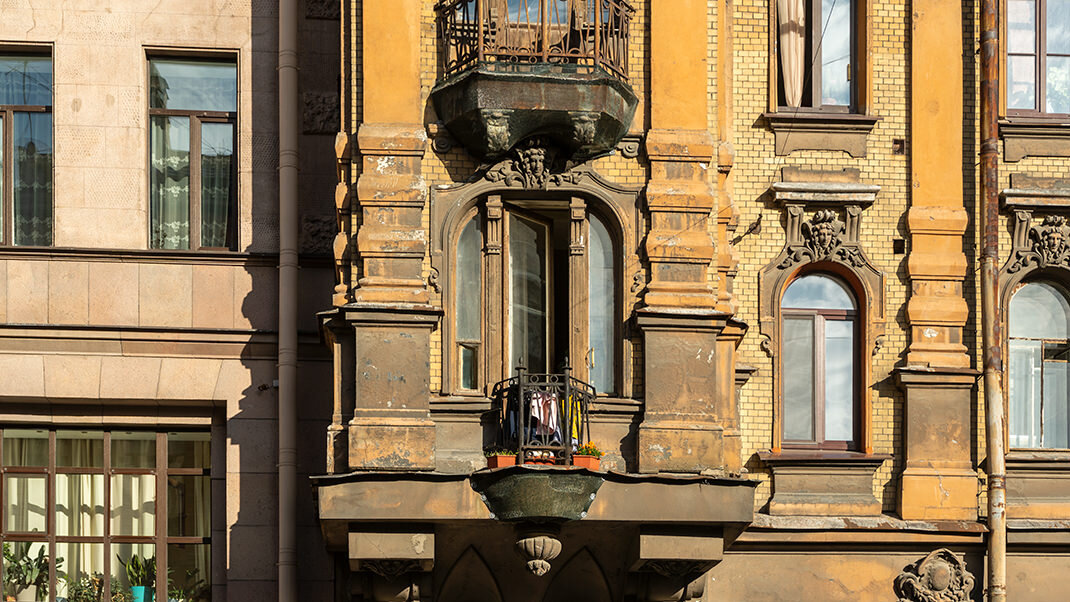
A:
(94, 515)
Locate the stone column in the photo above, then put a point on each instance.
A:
(681, 322)
(390, 313)
(939, 481)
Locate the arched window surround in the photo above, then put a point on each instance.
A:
(452, 207)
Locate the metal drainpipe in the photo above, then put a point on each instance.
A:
(287, 421)
(990, 315)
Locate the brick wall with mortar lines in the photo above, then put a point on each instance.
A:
(757, 167)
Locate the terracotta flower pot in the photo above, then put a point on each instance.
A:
(588, 462)
(500, 461)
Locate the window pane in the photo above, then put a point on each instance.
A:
(1058, 24)
(25, 502)
(25, 448)
(122, 554)
(602, 307)
(1058, 84)
(37, 553)
(1021, 82)
(189, 506)
(798, 379)
(133, 504)
(1025, 391)
(217, 183)
(133, 450)
(189, 450)
(469, 281)
(527, 299)
(80, 504)
(817, 291)
(839, 380)
(835, 52)
(26, 80)
(193, 85)
(189, 567)
(33, 178)
(83, 563)
(1055, 395)
(80, 449)
(169, 182)
(469, 369)
(1022, 26)
(1039, 311)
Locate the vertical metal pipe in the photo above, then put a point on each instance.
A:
(287, 418)
(990, 314)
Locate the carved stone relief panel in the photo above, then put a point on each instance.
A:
(1039, 211)
(939, 577)
(320, 112)
(323, 9)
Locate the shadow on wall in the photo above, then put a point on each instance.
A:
(251, 488)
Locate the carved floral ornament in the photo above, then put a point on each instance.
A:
(1041, 246)
(939, 577)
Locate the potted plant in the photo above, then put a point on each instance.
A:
(26, 576)
(588, 456)
(142, 576)
(500, 457)
(194, 589)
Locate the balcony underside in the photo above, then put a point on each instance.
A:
(493, 107)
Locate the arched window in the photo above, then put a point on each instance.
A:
(1039, 329)
(535, 282)
(820, 382)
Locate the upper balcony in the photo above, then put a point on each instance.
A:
(515, 69)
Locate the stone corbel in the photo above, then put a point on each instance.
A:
(672, 565)
(396, 562)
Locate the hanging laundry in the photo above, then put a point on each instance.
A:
(544, 411)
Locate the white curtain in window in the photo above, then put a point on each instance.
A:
(169, 182)
(80, 512)
(791, 18)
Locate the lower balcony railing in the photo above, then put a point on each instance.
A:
(543, 416)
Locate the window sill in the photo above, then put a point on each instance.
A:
(823, 483)
(801, 130)
(1038, 484)
(1034, 137)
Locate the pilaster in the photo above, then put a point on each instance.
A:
(680, 197)
(937, 310)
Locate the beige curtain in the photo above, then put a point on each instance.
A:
(791, 17)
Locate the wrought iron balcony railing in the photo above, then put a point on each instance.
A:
(543, 416)
(586, 33)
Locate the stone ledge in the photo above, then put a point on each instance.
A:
(805, 130)
(1034, 137)
(822, 483)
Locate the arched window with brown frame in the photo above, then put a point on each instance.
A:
(820, 378)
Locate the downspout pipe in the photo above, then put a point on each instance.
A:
(287, 369)
(990, 314)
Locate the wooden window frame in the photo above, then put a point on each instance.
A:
(160, 539)
(7, 153)
(493, 348)
(196, 119)
(819, 317)
(860, 65)
(1040, 66)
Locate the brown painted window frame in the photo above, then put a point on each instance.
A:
(494, 316)
(820, 316)
(159, 540)
(812, 77)
(1040, 67)
(196, 118)
(7, 152)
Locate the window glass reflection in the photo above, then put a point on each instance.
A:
(817, 291)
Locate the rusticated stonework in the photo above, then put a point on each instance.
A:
(939, 577)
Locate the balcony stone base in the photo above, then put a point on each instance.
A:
(492, 108)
